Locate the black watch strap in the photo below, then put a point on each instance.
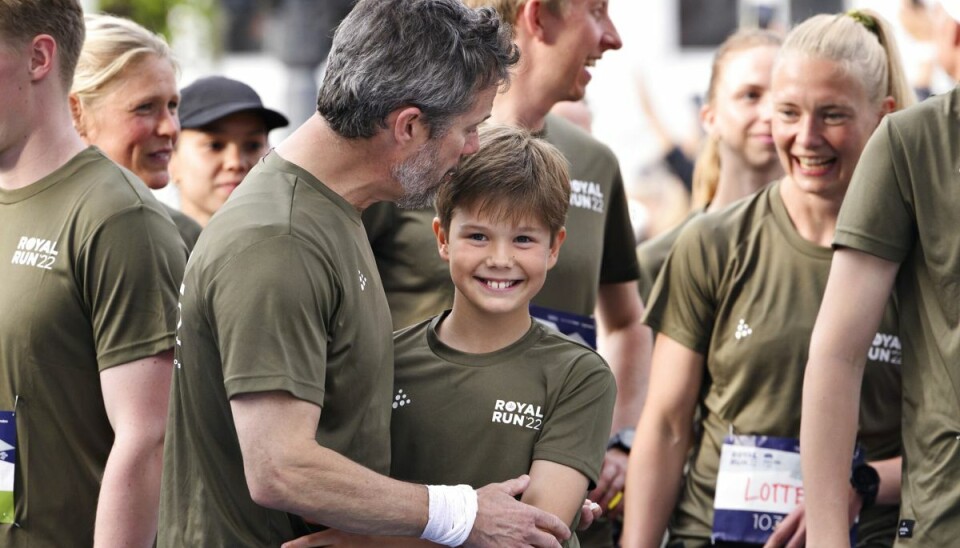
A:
(622, 440)
(866, 482)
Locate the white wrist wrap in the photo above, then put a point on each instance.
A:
(452, 511)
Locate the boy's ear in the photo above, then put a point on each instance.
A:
(441, 239)
(555, 247)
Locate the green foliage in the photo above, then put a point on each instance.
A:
(152, 14)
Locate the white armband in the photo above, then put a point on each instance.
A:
(452, 511)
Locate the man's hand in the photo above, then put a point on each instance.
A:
(611, 482)
(502, 521)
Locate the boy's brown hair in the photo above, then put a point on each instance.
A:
(22, 20)
(514, 176)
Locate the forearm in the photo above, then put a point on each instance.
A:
(831, 394)
(627, 350)
(654, 477)
(130, 494)
(324, 487)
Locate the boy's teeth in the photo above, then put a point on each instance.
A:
(499, 285)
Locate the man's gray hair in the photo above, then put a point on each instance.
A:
(432, 54)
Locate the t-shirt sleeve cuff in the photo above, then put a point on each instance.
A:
(252, 384)
(134, 352)
(867, 244)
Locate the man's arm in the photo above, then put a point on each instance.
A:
(136, 395)
(286, 469)
(664, 435)
(626, 343)
(857, 292)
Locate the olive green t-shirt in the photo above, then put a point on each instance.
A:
(652, 253)
(599, 247)
(281, 293)
(89, 268)
(904, 206)
(188, 228)
(484, 418)
(416, 280)
(743, 289)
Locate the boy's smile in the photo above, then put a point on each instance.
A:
(497, 264)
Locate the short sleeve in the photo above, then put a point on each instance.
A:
(619, 263)
(129, 270)
(272, 309)
(576, 431)
(877, 213)
(683, 301)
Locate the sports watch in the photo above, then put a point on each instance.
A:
(866, 482)
(622, 440)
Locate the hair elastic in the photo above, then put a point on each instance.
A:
(865, 19)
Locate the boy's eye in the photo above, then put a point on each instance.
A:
(216, 146)
(477, 237)
(524, 239)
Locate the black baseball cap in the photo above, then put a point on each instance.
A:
(211, 98)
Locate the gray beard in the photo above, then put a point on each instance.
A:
(414, 176)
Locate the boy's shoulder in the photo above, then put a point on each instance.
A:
(566, 349)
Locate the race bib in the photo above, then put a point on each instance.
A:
(8, 460)
(758, 484)
(575, 326)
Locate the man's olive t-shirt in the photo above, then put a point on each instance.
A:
(484, 418)
(652, 253)
(281, 293)
(89, 269)
(904, 206)
(600, 246)
(743, 288)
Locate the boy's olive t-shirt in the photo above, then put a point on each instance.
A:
(743, 288)
(483, 418)
(600, 246)
(89, 270)
(281, 294)
(904, 206)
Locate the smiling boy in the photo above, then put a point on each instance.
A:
(482, 391)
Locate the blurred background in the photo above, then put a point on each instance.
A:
(642, 99)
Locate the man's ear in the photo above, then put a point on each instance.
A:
(43, 55)
(442, 241)
(530, 20)
(409, 126)
(555, 247)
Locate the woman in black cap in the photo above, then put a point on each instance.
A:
(224, 128)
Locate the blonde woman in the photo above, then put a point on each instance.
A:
(734, 308)
(739, 157)
(124, 101)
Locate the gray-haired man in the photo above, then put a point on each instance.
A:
(284, 316)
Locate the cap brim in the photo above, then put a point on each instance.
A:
(271, 118)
